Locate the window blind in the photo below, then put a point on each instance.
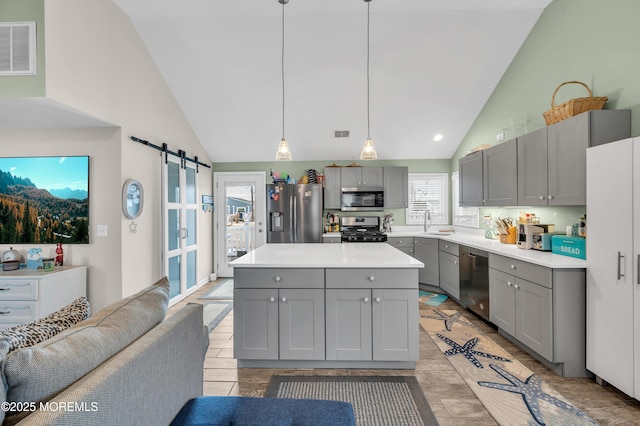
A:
(428, 191)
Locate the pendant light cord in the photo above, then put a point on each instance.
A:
(282, 68)
(368, 84)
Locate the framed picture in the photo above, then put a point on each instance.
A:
(44, 200)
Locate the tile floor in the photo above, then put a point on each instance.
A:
(451, 399)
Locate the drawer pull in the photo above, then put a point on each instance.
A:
(278, 279)
(516, 286)
(455, 262)
(365, 300)
(513, 266)
(283, 300)
(377, 300)
(5, 288)
(371, 278)
(272, 299)
(5, 312)
(509, 283)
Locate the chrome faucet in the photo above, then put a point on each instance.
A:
(427, 220)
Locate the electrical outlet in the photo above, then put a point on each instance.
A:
(101, 231)
(500, 136)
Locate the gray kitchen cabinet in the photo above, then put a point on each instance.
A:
(362, 176)
(255, 323)
(532, 168)
(470, 178)
(332, 188)
(332, 239)
(568, 141)
(396, 187)
(371, 324)
(523, 310)
(426, 251)
(500, 174)
(393, 316)
(542, 309)
(404, 244)
(449, 268)
(301, 318)
(372, 314)
(349, 324)
(279, 314)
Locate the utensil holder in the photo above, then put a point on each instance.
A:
(509, 238)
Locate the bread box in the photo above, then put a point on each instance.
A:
(569, 246)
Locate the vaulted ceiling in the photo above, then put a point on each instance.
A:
(433, 65)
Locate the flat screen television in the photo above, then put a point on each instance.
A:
(44, 200)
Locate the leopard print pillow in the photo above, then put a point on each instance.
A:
(28, 334)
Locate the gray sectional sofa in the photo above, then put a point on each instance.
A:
(125, 365)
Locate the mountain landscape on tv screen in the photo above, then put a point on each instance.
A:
(32, 215)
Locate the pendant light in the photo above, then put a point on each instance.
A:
(283, 152)
(368, 151)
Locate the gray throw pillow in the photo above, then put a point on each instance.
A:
(38, 373)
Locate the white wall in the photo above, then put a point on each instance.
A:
(102, 255)
(96, 63)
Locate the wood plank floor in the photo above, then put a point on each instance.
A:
(451, 399)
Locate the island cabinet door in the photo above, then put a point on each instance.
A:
(255, 323)
(395, 325)
(301, 321)
(348, 324)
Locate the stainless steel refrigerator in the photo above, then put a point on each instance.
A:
(294, 213)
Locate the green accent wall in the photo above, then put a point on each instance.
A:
(25, 11)
(296, 169)
(592, 41)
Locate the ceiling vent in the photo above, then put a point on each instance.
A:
(17, 48)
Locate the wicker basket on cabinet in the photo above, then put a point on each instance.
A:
(574, 106)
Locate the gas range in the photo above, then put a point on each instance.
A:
(361, 229)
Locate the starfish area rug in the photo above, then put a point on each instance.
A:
(511, 392)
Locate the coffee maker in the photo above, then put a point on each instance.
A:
(528, 232)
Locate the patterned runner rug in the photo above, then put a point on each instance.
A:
(376, 400)
(511, 392)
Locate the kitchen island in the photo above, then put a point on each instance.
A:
(326, 306)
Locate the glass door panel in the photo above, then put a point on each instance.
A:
(190, 186)
(173, 184)
(174, 277)
(173, 229)
(191, 231)
(240, 217)
(192, 263)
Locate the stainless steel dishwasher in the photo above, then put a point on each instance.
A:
(474, 280)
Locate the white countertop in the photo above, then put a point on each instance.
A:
(542, 258)
(318, 255)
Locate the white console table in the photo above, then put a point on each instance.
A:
(29, 294)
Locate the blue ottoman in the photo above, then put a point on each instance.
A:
(241, 410)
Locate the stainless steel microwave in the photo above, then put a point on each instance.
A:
(362, 199)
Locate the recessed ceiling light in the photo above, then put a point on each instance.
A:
(438, 137)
